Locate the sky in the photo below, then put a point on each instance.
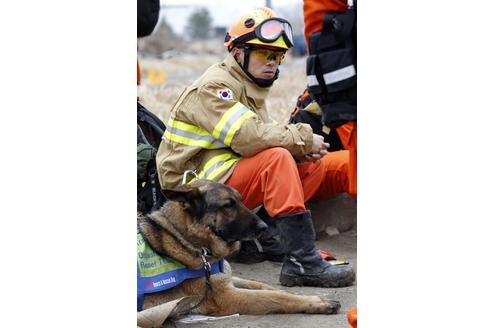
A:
(223, 12)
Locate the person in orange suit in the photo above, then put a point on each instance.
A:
(314, 14)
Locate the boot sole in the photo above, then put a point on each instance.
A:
(291, 281)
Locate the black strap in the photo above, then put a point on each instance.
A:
(207, 268)
(151, 126)
(145, 115)
(141, 138)
(337, 28)
(156, 194)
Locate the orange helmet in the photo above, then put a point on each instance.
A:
(262, 27)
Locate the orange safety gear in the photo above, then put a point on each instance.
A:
(352, 317)
(273, 178)
(348, 135)
(314, 11)
(260, 27)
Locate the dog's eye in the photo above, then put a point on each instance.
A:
(229, 204)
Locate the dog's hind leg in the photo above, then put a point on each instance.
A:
(250, 284)
(231, 300)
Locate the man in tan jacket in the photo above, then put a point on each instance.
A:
(220, 128)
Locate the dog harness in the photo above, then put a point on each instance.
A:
(156, 273)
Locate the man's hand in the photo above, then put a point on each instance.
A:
(319, 146)
(318, 150)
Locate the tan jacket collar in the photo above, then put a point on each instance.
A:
(253, 91)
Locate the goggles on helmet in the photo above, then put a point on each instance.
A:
(269, 31)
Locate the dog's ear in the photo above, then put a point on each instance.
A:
(182, 193)
(188, 195)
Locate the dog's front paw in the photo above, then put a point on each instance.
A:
(330, 306)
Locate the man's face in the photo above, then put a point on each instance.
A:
(263, 62)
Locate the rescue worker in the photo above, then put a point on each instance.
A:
(315, 12)
(221, 128)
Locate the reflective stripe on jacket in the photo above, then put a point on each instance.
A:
(219, 119)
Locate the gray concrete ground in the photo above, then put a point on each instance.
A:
(340, 215)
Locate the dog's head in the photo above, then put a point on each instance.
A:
(219, 207)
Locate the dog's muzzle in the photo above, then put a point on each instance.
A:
(237, 231)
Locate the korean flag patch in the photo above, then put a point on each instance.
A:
(225, 94)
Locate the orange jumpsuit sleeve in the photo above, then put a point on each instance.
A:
(314, 10)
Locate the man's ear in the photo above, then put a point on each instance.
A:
(189, 196)
(236, 53)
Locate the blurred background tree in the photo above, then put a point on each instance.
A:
(199, 24)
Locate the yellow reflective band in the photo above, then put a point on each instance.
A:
(236, 126)
(216, 165)
(187, 127)
(188, 141)
(225, 118)
(225, 166)
(191, 135)
(230, 122)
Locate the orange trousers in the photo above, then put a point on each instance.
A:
(273, 178)
(348, 136)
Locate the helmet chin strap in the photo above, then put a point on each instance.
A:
(263, 83)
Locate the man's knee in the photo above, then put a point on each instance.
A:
(277, 154)
(278, 162)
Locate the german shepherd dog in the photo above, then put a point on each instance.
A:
(209, 215)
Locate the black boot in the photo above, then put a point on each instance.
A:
(303, 265)
(266, 247)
